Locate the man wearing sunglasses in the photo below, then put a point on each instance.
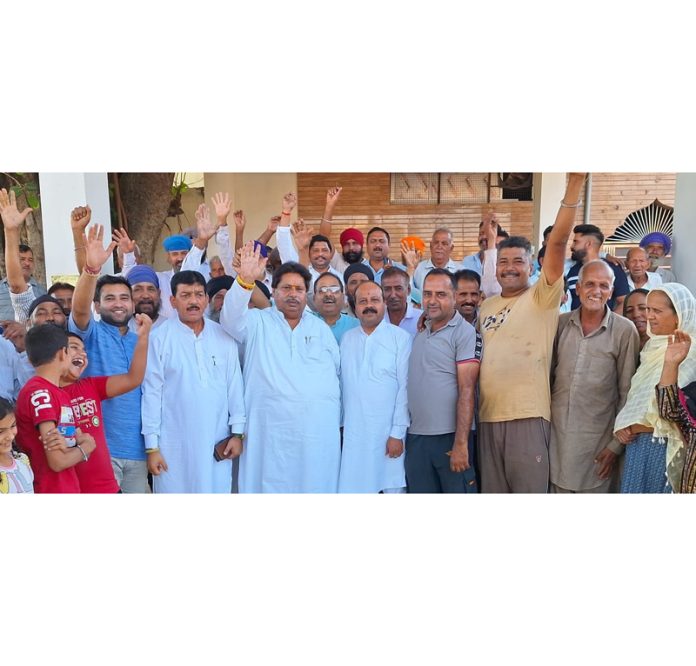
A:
(329, 301)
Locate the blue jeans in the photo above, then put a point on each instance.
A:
(428, 466)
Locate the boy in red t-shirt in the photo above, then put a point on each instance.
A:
(46, 429)
(85, 395)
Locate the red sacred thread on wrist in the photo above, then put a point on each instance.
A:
(91, 271)
(284, 213)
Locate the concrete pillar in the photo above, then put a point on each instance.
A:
(547, 192)
(60, 193)
(684, 238)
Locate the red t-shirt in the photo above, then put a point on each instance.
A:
(96, 475)
(40, 401)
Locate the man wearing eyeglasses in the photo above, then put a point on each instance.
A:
(329, 301)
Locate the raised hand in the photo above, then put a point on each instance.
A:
(677, 347)
(125, 244)
(289, 202)
(11, 217)
(490, 229)
(302, 235)
(222, 204)
(143, 324)
(411, 256)
(239, 220)
(206, 229)
(80, 218)
(252, 266)
(273, 223)
(332, 196)
(95, 254)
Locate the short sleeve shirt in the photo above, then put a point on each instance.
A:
(96, 474)
(433, 388)
(40, 401)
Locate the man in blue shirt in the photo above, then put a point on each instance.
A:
(110, 346)
(329, 300)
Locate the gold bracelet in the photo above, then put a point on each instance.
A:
(152, 450)
(245, 285)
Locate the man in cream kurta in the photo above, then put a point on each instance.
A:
(291, 379)
(193, 396)
(374, 373)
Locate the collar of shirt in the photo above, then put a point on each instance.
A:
(575, 319)
(452, 322)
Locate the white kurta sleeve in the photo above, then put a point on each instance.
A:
(489, 283)
(338, 262)
(128, 263)
(234, 316)
(151, 402)
(194, 262)
(222, 238)
(286, 247)
(235, 392)
(400, 418)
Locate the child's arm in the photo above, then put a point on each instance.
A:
(58, 455)
(120, 384)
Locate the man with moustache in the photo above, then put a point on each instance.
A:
(146, 296)
(192, 361)
(374, 372)
(378, 253)
(329, 301)
(354, 275)
(110, 346)
(468, 295)
(442, 373)
(637, 264)
(291, 383)
(518, 329)
(658, 246)
(352, 240)
(595, 356)
(399, 310)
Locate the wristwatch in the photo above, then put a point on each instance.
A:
(237, 434)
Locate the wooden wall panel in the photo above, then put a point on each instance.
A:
(364, 203)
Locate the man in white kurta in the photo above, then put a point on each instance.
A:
(291, 386)
(193, 396)
(374, 372)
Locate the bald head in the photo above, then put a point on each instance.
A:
(596, 268)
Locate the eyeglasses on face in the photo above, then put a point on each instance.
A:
(329, 289)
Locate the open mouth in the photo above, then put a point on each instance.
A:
(78, 362)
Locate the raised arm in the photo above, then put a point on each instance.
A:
(239, 226)
(234, 316)
(120, 384)
(562, 228)
(126, 249)
(12, 220)
(332, 196)
(302, 236)
(95, 257)
(271, 228)
(489, 283)
(79, 220)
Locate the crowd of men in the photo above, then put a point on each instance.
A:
(310, 368)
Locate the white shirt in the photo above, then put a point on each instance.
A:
(374, 372)
(410, 321)
(654, 280)
(292, 397)
(192, 398)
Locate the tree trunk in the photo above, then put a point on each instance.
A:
(146, 198)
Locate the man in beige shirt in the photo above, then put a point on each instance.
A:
(595, 356)
(518, 329)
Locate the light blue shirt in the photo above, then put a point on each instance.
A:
(388, 263)
(110, 353)
(343, 324)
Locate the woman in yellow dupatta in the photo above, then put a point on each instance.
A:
(654, 447)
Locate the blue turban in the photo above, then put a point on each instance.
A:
(657, 237)
(142, 273)
(177, 243)
(264, 248)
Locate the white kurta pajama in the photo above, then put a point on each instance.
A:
(374, 371)
(292, 397)
(193, 397)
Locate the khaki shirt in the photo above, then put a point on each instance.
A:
(590, 378)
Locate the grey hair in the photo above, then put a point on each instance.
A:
(597, 262)
(446, 230)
